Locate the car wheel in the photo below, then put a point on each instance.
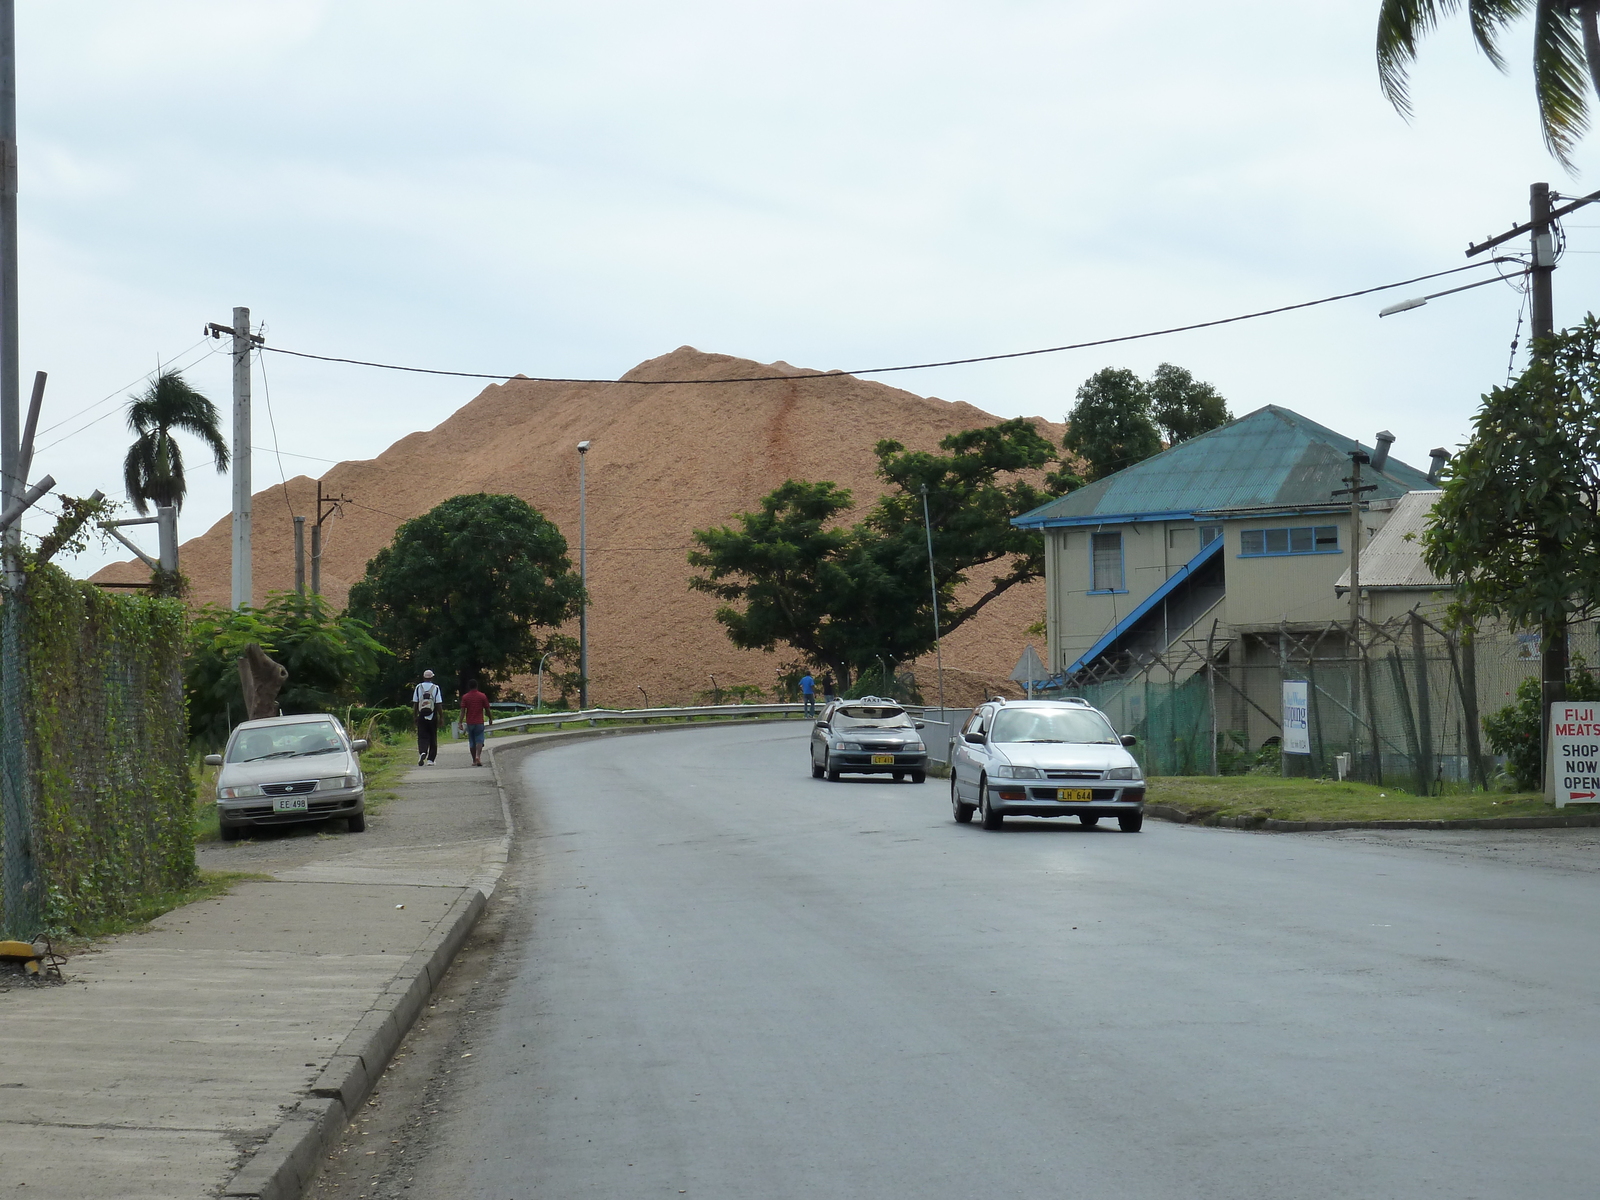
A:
(919, 777)
(1131, 823)
(1090, 821)
(816, 769)
(991, 819)
(961, 812)
(356, 824)
(231, 833)
(833, 771)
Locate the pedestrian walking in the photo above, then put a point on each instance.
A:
(808, 689)
(426, 702)
(474, 708)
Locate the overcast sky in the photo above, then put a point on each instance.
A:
(562, 189)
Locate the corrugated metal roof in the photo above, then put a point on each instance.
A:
(1389, 560)
(1269, 459)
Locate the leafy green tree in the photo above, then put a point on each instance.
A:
(476, 587)
(330, 657)
(1110, 427)
(1515, 729)
(794, 574)
(152, 472)
(1566, 54)
(1182, 406)
(1518, 526)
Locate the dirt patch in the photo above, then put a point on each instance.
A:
(663, 462)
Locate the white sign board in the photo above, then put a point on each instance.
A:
(1574, 774)
(1296, 718)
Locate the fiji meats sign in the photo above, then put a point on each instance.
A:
(1574, 775)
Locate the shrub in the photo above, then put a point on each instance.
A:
(1514, 729)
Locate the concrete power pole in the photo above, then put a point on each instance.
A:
(300, 555)
(11, 483)
(243, 584)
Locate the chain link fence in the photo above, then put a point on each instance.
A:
(1402, 705)
(97, 812)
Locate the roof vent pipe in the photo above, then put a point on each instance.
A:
(1440, 456)
(1385, 439)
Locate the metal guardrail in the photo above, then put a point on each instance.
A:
(595, 715)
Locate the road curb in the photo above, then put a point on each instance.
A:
(1166, 812)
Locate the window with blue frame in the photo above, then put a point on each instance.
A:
(1296, 539)
(1105, 551)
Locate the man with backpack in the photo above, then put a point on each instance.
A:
(426, 701)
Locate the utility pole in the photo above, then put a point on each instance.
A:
(326, 507)
(243, 583)
(583, 582)
(1355, 492)
(11, 482)
(300, 555)
(933, 583)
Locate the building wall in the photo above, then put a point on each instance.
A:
(1077, 618)
(1297, 588)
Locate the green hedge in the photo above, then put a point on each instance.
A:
(106, 738)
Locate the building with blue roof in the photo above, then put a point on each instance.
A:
(1225, 541)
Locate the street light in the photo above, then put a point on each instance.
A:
(538, 699)
(583, 581)
(716, 692)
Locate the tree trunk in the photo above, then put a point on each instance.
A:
(1553, 673)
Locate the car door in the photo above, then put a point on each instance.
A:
(819, 737)
(967, 758)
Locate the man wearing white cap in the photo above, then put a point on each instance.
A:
(426, 701)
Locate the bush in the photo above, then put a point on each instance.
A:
(1514, 729)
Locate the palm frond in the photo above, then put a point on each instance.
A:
(1401, 24)
(1561, 78)
(137, 468)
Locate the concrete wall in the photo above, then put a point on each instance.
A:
(1076, 617)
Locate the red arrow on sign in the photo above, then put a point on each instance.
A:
(1580, 796)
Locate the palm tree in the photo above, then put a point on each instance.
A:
(153, 471)
(1566, 54)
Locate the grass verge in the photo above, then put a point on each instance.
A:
(1328, 800)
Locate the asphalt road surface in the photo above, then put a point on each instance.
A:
(728, 981)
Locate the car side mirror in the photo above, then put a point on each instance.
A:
(921, 724)
(975, 738)
(1129, 740)
(213, 760)
(359, 745)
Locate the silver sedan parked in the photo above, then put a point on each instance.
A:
(289, 769)
(869, 736)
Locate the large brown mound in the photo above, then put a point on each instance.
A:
(663, 461)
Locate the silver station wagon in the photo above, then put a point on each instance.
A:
(287, 769)
(1044, 758)
(869, 736)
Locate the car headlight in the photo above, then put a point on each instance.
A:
(1123, 773)
(847, 745)
(914, 747)
(238, 792)
(338, 781)
(1007, 771)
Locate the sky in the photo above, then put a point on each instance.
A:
(568, 190)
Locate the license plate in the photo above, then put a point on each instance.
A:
(288, 804)
(883, 760)
(1075, 794)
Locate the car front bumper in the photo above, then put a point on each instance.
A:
(859, 762)
(1027, 799)
(320, 806)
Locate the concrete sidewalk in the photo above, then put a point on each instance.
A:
(216, 1052)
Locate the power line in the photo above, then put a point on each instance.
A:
(272, 422)
(949, 362)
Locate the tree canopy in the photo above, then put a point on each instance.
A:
(330, 657)
(1566, 54)
(476, 587)
(1120, 419)
(792, 573)
(152, 472)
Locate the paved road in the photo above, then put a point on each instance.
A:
(732, 981)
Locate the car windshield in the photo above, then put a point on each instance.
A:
(300, 740)
(871, 716)
(1083, 726)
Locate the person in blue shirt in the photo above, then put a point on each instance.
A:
(808, 689)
